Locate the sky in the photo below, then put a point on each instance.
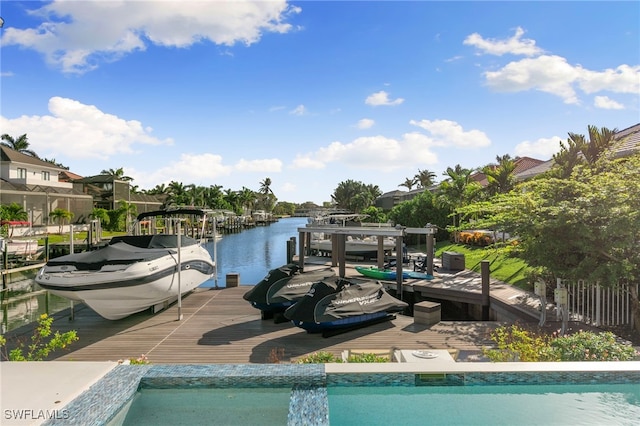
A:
(311, 94)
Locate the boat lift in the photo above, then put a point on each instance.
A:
(338, 252)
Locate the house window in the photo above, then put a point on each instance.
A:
(46, 176)
(22, 173)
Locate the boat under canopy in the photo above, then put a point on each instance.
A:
(343, 304)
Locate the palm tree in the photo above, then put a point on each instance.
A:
(247, 198)
(265, 186)
(60, 215)
(13, 211)
(100, 214)
(117, 174)
(408, 182)
(457, 191)
(425, 178)
(501, 178)
(600, 141)
(20, 144)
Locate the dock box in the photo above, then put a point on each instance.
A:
(427, 313)
(453, 261)
(233, 280)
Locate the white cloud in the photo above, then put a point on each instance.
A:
(307, 162)
(299, 110)
(449, 133)
(76, 35)
(373, 153)
(623, 79)
(514, 45)
(288, 187)
(77, 130)
(266, 165)
(365, 123)
(605, 103)
(189, 168)
(543, 148)
(382, 98)
(550, 74)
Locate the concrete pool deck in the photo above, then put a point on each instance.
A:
(32, 392)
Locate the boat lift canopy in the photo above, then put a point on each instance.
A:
(338, 254)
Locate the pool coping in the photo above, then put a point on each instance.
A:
(96, 397)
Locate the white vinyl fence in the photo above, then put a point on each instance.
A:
(594, 304)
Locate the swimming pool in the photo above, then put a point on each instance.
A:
(485, 405)
(319, 394)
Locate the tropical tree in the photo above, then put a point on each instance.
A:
(425, 178)
(457, 191)
(355, 196)
(500, 177)
(61, 215)
(13, 211)
(408, 183)
(20, 144)
(100, 214)
(247, 198)
(176, 194)
(265, 186)
(583, 227)
(117, 174)
(579, 150)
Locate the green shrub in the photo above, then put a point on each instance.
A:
(587, 346)
(319, 358)
(516, 344)
(39, 348)
(367, 358)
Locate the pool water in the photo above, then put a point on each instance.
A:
(614, 404)
(209, 406)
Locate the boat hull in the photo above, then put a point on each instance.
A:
(380, 274)
(345, 323)
(117, 291)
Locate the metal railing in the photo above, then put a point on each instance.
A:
(595, 304)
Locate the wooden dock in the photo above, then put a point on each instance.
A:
(219, 326)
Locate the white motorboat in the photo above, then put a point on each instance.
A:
(135, 272)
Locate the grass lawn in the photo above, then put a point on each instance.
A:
(78, 237)
(502, 267)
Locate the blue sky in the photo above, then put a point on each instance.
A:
(311, 94)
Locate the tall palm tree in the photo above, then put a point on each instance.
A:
(425, 178)
(265, 186)
(20, 144)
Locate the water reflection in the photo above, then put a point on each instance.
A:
(24, 301)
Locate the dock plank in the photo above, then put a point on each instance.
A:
(219, 326)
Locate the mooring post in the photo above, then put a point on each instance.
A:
(486, 301)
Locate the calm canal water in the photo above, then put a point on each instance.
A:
(250, 253)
